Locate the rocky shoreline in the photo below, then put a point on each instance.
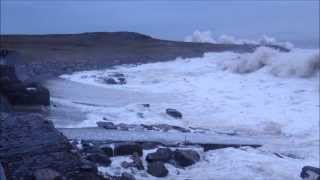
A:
(41, 57)
(32, 148)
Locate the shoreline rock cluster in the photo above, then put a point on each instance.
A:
(100, 154)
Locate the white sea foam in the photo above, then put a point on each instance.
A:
(301, 63)
(263, 93)
(251, 92)
(206, 36)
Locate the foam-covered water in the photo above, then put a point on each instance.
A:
(266, 92)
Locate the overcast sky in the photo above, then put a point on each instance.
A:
(297, 21)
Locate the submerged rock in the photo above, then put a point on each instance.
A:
(310, 173)
(162, 154)
(122, 80)
(107, 150)
(186, 157)
(109, 81)
(106, 125)
(157, 169)
(174, 113)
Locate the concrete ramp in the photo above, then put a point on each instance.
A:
(168, 138)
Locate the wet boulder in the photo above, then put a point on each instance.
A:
(107, 150)
(162, 154)
(108, 80)
(174, 113)
(157, 169)
(117, 74)
(310, 173)
(185, 158)
(20, 93)
(100, 159)
(146, 105)
(122, 80)
(26, 94)
(127, 148)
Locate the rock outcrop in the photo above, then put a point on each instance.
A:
(185, 158)
(30, 146)
(21, 93)
(157, 169)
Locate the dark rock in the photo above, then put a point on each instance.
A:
(157, 169)
(147, 127)
(100, 159)
(186, 157)
(137, 162)
(146, 105)
(47, 174)
(26, 94)
(20, 93)
(90, 149)
(127, 176)
(106, 125)
(149, 145)
(110, 81)
(174, 113)
(122, 80)
(118, 75)
(310, 173)
(107, 150)
(162, 154)
(208, 147)
(127, 148)
(126, 164)
(181, 129)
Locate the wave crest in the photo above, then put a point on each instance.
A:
(207, 37)
(300, 63)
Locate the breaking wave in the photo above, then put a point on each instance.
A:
(298, 62)
(206, 36)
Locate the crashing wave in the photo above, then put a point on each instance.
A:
(300, 63)
(207, 37)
